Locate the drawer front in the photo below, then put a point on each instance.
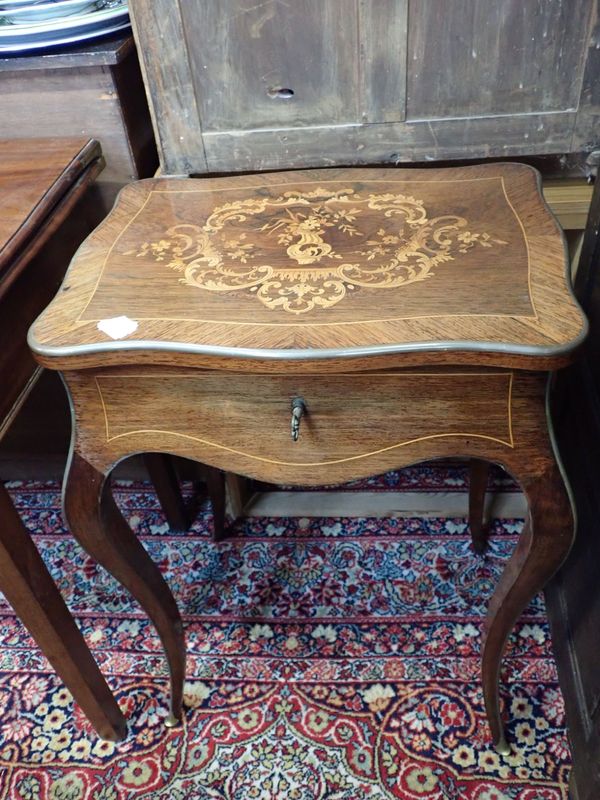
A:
(239, 420)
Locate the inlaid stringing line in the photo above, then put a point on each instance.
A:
(386, 374)
(518, 218)
(194, 321)
(510, 428)
(309, 463)
(110, 438)
(101, 273)
(317, 180)
(99, 390)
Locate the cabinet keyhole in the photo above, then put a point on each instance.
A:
(280, 93)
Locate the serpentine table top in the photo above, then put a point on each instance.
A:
(367, 268)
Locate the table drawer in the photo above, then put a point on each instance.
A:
(348, 417)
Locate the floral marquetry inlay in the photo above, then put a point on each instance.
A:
(302, 250)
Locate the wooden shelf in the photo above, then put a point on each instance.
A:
(570, 201)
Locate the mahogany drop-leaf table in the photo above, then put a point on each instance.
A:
(316, 327)
(44, 184)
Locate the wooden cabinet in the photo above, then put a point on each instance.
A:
(239, 85)
(573, 598)
(93, 90)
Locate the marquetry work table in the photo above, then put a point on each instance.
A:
(316, 327)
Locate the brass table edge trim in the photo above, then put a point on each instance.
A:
(309, 354)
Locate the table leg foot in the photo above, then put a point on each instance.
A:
(98, 525)
(171, 721)
(502, 747)
(542, 548)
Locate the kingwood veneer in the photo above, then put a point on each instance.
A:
(388, 315)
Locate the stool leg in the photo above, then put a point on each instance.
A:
(161, 470)
(239, 494)
(98, 525)
(542, 548)
(478, 480)
(215, 484)
(30, 590)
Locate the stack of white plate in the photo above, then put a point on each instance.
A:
(34, 24)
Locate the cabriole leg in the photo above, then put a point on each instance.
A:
(542, 548)
(98, 525)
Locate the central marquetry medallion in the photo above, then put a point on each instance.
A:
(298, 251)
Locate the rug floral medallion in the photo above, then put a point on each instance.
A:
(328, 658)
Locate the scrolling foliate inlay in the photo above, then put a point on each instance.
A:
(308, 270)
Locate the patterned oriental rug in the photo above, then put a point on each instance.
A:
(329, 659)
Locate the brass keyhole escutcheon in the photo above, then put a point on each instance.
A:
(298, 410)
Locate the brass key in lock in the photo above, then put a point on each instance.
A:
(298, 410)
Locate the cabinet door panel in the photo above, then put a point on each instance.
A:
(383, 28)
(242, 52)
(482, 57)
